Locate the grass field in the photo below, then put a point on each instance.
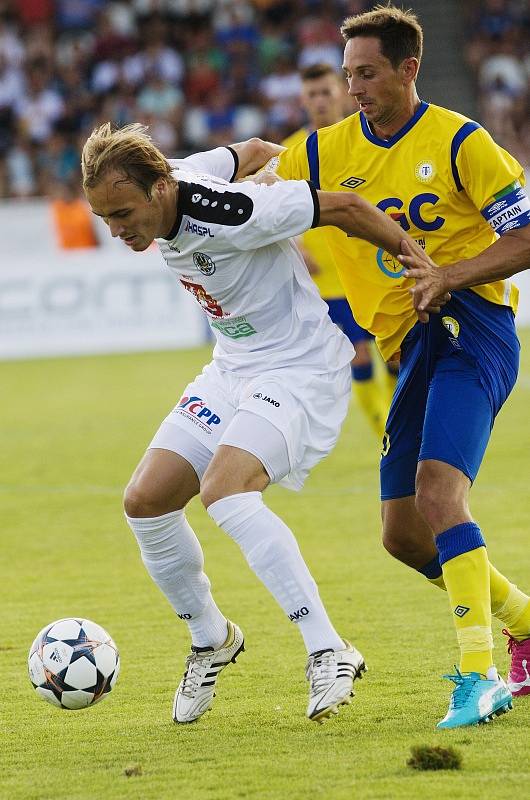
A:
(72, 430)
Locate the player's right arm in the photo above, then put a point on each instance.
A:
(357, 217)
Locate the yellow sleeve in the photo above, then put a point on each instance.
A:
(483, 169)
(292, 163)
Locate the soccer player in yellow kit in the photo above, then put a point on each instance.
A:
(323, 99)
(460, 196)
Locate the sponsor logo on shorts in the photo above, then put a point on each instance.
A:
(184, 616)
(204, 263)
(386, 445)
(266, 398)
(196, 410)
(461, 611)
(297, 615)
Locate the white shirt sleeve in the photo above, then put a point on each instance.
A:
(222, 162)
(280, 210)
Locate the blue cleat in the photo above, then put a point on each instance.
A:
(476, 699)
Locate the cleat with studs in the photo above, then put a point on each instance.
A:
(195, 693)
(331, 674)
(476, 700)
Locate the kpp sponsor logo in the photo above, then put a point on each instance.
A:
(198, 412)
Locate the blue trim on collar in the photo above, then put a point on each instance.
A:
(387, 143)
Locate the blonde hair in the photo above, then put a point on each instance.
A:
(128, 150)
(399, 31)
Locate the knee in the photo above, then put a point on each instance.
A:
(393, 542)
(138, 501)
(210, 490)
(428, 502)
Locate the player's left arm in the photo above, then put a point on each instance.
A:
(506, 257)
(493, 180)
(232, 162)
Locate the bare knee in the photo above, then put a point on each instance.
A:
(137, 502)
(406, 536)
(442, 495)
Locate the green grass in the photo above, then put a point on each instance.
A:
(72, 431)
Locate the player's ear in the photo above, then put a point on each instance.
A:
(409, 69)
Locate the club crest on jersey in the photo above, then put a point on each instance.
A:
(425, 171)
(352, 182)
(204, 263)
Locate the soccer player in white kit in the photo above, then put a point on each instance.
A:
(265, 410)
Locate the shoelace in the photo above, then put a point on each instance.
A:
(512, 643)
(192, 674)
(321, 668)
(464, 687)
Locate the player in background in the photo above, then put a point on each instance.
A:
(268, 407)
(323, 99)
(458, 194)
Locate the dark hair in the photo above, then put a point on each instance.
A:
(315, 71)
(398, 31)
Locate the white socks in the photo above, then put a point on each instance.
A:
(173, 557)
(273, 554)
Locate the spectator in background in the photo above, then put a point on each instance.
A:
(72, 218)
(68, 65)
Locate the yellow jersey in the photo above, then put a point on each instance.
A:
(316, 244)
(442, 177)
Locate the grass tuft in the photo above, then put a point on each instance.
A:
(425, 757)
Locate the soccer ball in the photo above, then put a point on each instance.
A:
(73, 663)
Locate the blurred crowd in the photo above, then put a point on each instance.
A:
(498, 52)
(200, 73)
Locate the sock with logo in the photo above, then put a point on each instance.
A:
(273, 554)
(173, 558)
(369, 397)
(508, 603)
(465, 569)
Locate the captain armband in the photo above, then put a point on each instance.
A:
(509, 209)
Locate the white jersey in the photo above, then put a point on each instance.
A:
(229, 247)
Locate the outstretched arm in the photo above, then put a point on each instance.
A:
(357, 217)
(253, 154)
(507, 256)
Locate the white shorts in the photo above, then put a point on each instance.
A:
(307, 410)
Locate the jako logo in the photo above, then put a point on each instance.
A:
(259, 396)
(184, 616)
(197, 408)
(297, 615)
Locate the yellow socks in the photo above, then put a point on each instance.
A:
(370, 398)
(510, 605)
(466, 576)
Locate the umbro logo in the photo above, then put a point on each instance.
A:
(352, 183)
(461, 611)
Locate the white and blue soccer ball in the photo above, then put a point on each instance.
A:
(73, 663)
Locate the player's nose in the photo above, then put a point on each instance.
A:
(116, 228)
